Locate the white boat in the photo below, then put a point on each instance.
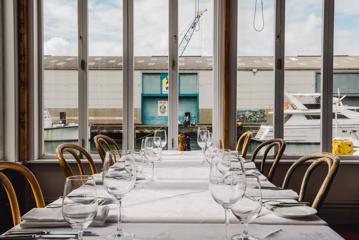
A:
(302, 120)
(59, 132)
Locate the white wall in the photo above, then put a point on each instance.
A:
(254, 91)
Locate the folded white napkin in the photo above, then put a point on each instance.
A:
(52, 217)
(274, 194)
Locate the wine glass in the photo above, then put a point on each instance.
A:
(119, 179)
(226, 187)
(79, 202)
(213, 148)
(248, 208)
(152, 151)
(202, 138)
(163, 136)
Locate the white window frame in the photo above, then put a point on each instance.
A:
(218, 57)
(128, 72)
(326, 74)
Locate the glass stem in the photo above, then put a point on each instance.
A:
(80, 234)
(153, 171)
(204, 156)
(119, 229)
(245, 230)
(226, 214)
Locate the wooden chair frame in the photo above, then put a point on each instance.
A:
(244, 141)
(74, 149)
(11, 195)
(268, 145)
(103, 144)
(332, 161)
(31, 179)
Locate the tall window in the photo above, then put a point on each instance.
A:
(150, 98)
(60, 82)
(255, 77)
(346, 76)
(195, 51)
(105, 96)
(302, 63)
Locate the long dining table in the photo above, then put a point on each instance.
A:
(179, 205)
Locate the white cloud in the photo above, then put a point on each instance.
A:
(303, 27)
(58, 47)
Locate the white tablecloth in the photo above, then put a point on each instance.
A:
(180, 196)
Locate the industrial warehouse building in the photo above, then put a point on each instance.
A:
(254, 89)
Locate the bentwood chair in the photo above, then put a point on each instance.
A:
(243, 143)
(279, 146)
(77, 153)
(105, 143)
(317, 159)
(31, 179)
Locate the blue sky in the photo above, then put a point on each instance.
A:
(303, 27)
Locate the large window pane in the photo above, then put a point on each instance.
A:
(150, 97)
(195, 67)
(255, 77)
(105, 70)
(346, 76)
(60, 83)
(302, 64)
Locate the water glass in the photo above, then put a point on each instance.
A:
(152, 152)
(213, 148)
(163, 136)
(79, 203)
(226, 187)
(119, 179)
(249, 207)
(202, 138)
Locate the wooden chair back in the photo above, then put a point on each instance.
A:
(243, 143)
(77, 153)
(332, 161)
(105, 143)
(11, 195)
(30, 178)
(279, 146)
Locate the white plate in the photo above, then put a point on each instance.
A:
(295, 212)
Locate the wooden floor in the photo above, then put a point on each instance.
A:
(349, 232)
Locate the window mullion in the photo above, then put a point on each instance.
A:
(326, 126)
(82, 71)
(217, 121)
(128, 115)
(173, 75)
(279, 60)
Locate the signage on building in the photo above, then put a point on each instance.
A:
(164, 83)
(162, 108)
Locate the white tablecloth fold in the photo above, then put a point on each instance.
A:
(52, 217)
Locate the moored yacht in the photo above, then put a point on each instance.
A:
(302, 120)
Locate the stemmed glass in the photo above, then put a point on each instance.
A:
(202, 138)
(213, 147)
(79, 204)
(152, 150)
(163, 136)
(119, 179)
(227, 185)
(248, 208)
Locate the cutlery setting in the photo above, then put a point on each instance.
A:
(29, 234)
